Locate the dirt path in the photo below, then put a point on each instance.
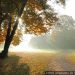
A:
(59, 63)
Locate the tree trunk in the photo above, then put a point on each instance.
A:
(4, 53)
(10, 34)
(8, 40)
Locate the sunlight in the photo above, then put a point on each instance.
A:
(24, 45)
(20, 21)
(70, 6)
(68, 9)
(58, 8)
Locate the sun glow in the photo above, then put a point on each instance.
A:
(24, 45)
(20, 20)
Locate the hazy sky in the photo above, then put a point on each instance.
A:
(64, 39)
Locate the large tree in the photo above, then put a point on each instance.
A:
(37, 18)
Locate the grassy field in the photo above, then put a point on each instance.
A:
(25, 63)
(71, 58)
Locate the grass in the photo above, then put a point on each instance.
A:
(25, 63)
(71, 58)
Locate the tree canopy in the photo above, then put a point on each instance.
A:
(37, 18)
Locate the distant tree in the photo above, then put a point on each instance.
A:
(63, 34)
(37, 18)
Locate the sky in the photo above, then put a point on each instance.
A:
(57, 40)
(63, 40)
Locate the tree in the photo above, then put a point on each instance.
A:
(7, 16)
(63, 35)
(36, 15)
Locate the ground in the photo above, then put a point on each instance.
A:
(36, 63)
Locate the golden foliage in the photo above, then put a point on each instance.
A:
(17, 38)
(38, 23)
(36, 18)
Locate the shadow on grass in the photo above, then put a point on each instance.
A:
(11, 66)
